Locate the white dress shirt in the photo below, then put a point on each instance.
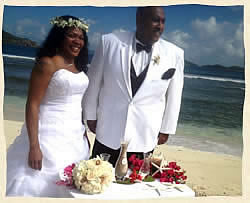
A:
(140, 59)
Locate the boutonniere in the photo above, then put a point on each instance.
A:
(156, 60)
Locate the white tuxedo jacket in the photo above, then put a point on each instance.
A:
(155, 106)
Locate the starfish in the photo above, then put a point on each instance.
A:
(160, 168)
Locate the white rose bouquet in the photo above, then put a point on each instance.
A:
(89, 176)
(92, 176)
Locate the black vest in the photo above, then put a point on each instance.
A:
(136, 81)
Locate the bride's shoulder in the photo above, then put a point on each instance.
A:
(45, 61)
(46, 65)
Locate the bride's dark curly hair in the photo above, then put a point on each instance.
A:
(54, 41)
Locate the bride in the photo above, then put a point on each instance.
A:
(53, 135)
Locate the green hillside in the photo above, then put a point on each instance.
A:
(8, 38)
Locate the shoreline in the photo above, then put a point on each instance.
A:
(219, 145)
(13, 127)
(209, 173)
(208, 144)
(189, 135)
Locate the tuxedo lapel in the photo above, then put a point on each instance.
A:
(126, 52)
(155, 69)
(153, 65)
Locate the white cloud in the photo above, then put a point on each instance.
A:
(25, 22)
(88, 21)
(179, 38)
(43, 31)
(31, 29)
(36, 31)
(119, 30)
(239, 32)
(22, 24)
(238, 41)
(207, 27)
(211, 42)
(94, 39)
(236, 8)
(91, 21)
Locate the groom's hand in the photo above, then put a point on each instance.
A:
(162, 138)
(85, 134)
(92, 125)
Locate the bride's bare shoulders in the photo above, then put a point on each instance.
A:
(47, 64)
(58, 61)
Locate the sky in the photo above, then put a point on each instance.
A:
(208, 34)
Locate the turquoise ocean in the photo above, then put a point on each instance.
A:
(211, 111)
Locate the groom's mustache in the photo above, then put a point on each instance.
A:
(157, 30)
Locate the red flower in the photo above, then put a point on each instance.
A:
(140, 162)
(157, 175)
(132, 180)
(181, 173)
(134, 162)
(163, 179)
(170, 171)
(139, 177)
(134, 176)
(68, 173)
(132, 157)
(163, 174)
(171, 179)
(172, 164)
(170, 175)
(177, 177)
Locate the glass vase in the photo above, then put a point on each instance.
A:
(146, 166)
(121, 166)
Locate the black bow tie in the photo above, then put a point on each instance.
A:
(140, 47)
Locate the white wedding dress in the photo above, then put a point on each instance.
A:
(60, 136)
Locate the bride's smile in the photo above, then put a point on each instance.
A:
(73, 42)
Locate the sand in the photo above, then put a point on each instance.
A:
(209, 174)
(11, 130)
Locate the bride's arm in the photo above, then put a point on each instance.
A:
(40, 77)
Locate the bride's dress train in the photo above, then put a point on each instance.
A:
(60, 136)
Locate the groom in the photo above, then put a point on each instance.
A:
(135, 87)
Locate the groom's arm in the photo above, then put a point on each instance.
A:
(92, 125)
(90, 99)
(162, 138)
(173, 99)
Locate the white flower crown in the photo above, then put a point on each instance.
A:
(60, 22)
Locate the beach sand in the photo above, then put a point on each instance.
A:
(208, 174)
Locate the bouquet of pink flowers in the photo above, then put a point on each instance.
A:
(67, 178)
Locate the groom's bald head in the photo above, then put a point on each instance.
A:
(150, 23)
